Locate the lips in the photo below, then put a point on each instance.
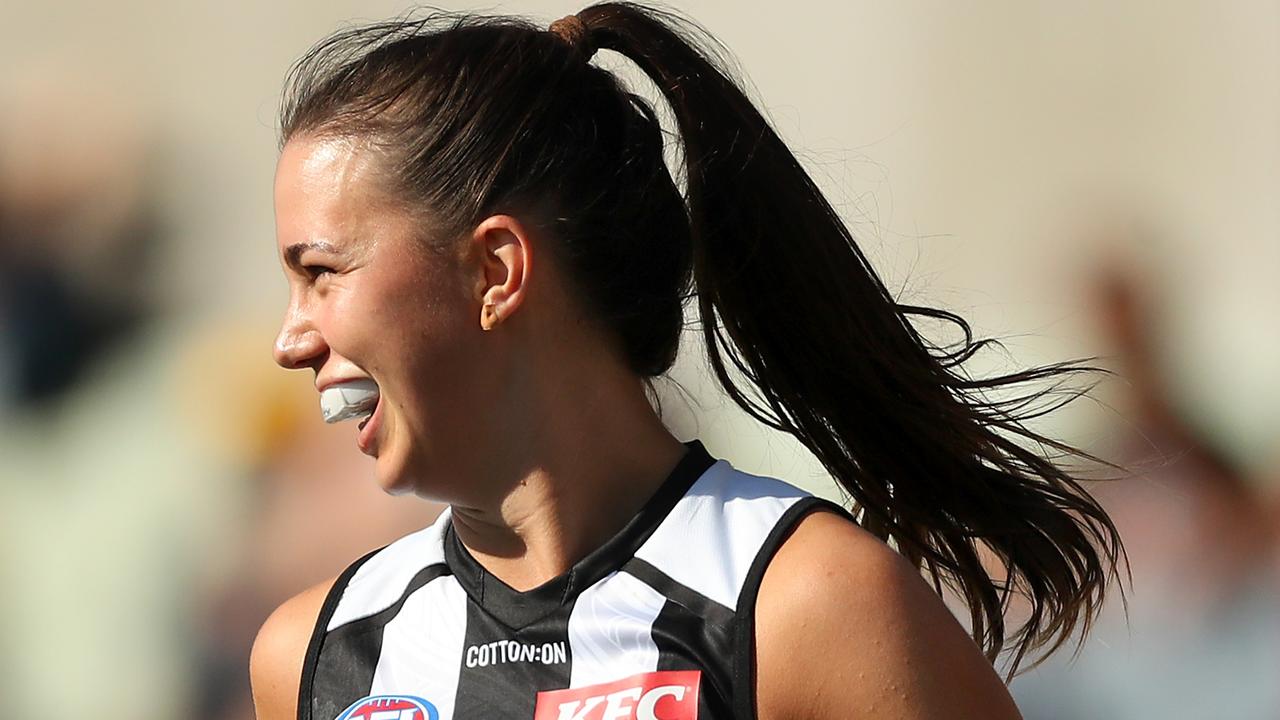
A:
(366, 440)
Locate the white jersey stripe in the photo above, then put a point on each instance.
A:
(610, 631)
(422, 645)
(712, 536)
(378, 584)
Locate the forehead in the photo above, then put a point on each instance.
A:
(323, 186)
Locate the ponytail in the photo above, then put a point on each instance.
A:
(933, 463)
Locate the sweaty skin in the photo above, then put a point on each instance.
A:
(846, 628)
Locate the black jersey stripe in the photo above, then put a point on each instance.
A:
(744, 645)
(502, 670)
(348, 654)
(696, 602)
(309, 661)
(693, 632)
(689, 641)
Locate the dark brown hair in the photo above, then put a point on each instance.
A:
(478, 115)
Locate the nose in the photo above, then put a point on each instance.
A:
(299, 345)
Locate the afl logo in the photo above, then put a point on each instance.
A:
(390, 707)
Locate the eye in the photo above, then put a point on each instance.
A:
(315, 272)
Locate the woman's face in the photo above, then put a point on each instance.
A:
(368, 301)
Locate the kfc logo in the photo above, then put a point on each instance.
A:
(664, 695)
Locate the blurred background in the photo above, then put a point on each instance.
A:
(1077, 179)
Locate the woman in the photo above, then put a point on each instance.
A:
(488, 261)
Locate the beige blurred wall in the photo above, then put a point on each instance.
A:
(987, 153)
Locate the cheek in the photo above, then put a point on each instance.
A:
(438, 351)
(426, 330)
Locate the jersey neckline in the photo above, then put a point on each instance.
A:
(517, 609)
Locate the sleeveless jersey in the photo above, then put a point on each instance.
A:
(655, 624)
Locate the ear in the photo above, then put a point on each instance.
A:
(504, 250)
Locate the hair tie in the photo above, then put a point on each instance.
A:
(575, 33)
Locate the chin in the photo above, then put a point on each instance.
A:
(392, 477)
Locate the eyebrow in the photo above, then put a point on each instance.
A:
(294, 251)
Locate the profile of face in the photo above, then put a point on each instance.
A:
(369, 301)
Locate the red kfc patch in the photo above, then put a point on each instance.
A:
(663, 695)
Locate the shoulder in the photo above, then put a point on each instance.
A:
(275, 664)
(846, 627)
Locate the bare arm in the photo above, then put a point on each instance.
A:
(275, 665)
(846, 628)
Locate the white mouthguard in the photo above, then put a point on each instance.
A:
(347, 400)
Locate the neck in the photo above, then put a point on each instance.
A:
(587, 467)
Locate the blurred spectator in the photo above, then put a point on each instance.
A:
(1202, 635)
(76, 235)
(106, 507)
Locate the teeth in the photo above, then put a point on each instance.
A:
(347, 400)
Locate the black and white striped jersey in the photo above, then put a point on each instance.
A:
(657, 623)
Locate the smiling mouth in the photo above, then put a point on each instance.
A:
(348, 400)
